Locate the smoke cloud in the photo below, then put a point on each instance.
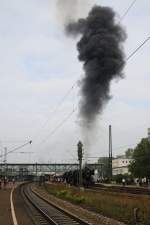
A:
(100, 49)
(71, 9)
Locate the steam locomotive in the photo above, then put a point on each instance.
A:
(72, 177)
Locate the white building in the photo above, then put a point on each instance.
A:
(120, 166)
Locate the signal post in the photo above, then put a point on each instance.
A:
(80, 157)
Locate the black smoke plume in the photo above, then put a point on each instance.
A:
(70, 9)
(100, 49)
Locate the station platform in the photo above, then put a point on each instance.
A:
(5, 209)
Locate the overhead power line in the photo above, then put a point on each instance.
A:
(15, 149)
(62, 123)
(128, 9)
(75, 83)
(22, 152)
(55, 109)
(137, 49)
(8, 141)
(58, 126)
(65, 96)
(63, 99)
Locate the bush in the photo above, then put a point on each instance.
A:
(78, 199)
(62, 193)
(70, 196)
(118, 178)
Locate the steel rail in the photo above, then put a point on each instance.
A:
(39, 209)
(128, 190)
(52, 214)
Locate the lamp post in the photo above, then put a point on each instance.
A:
(80, 156)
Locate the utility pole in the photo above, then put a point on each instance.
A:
(80, 156)
(110, 153)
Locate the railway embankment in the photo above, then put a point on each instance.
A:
(74, 203)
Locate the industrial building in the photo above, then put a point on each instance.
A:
(120, 165)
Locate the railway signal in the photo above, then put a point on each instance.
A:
(80, 157)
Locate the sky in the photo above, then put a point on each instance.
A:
(39, 65)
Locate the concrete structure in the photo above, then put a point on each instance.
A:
(120, 166)
(148, 134)
(26, 169)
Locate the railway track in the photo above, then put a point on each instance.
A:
(44, 213)
(128, 190)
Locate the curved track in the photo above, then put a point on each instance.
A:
(43, 213)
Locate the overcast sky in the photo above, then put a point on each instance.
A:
(38, 66)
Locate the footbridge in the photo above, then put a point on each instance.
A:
(25, 169)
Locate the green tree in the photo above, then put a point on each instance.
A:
(129, 153)
(140, 167)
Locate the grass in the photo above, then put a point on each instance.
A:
(70, 196)
(119, 206)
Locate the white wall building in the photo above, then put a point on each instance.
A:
(120, 166)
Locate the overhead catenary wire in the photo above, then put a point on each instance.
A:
(70, 90)
(55, 109)
(15, 141)
(138, 48)
(62, 123)
(127, 11)
(15, 149)
(58, 126)
(130, 56)
(127, 59)
(22, 152)
(75, 83)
